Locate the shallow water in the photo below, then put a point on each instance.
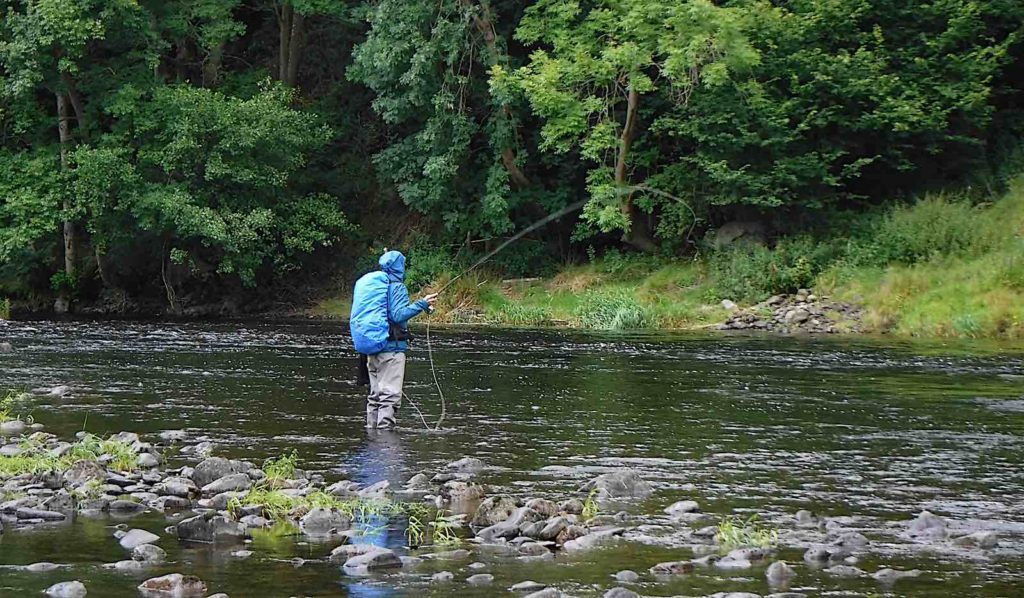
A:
(867, 431)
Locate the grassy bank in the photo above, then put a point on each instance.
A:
(943, 266)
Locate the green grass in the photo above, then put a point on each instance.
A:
(736, 532)
(5, 309)
(35, 459)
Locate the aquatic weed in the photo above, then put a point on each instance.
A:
(590, 507)
(281, 468)
(735, 532)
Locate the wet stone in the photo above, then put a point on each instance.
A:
(627, 576)
(620, 593)
(527, 586)
(137, 537)
(546, 593)
(41, 567)
(149, 553)
(625, 483)
(845, 571)
(66, 589)
(672, 568)
(978, 540)
(374, 560)
(779, 572)
(174, 584)
(890, 576)
(480, 579)
(682, 507)
(442, 577)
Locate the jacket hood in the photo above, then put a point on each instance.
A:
(393, 264)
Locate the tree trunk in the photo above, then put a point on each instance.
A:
(211, 66)
(76, 103)
(295, 43)
(484, 23)
(637, 233)
(172, 298)
(284, 34)
(70, 238)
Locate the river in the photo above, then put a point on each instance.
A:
(866, 431)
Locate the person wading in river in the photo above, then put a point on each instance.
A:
(379, 324)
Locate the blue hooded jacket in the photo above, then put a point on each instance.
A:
(385, 291)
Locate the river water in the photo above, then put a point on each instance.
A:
(866, 431)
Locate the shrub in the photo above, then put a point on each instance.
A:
(752, 273)
(616, 310)
(935, 225)
(5, 309)
(517, 314)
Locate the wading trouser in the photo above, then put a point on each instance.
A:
(387, 375)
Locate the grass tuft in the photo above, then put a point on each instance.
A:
(736, 532)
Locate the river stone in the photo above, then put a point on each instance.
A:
(888, 576)
(419, 481)
(377, 559)
(61, 502)
(174, 584)
(805, 519)
(778, 572)
(552, 527)
(126, 506)
(10, 450)
(467, 465)
(510, 527)
(6, 347)
(625, 483)
(851, 540)
(533, 549)
(672, 568)
(620, 593)
(731, 562)
(442, 577)
(165, 503)
(137, 537)
(682, 507)
(344, 488)
(476, 566)
(817, 554)
(235, 482)
(594, 539)
(543, 506)
(83, 472)
(13, 427)
(173, 435)
(527, 586)
(845, 571)
(212, 469)
(148, 460)
(126, 566)
(28, 513)
(494, 509)
(149, 553)
(546, 593)
(210, 528)
(66, 589)
(457, 492)
(627, 576)
(255, 521)
(377, 491)
(320, 522)
(573, 506)
(43, 567)
(925, 523)
(532, 529)
(346, 551)
(480, 579)
(978, 539)
(177, 486)
(242, 554)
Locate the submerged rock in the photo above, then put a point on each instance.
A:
(682, 507)
(467, 465)
(494, 509)
(43, 567)
(779, 572)
(978, 539)
(480, 579)
(66, 589)
(174, 584)
(374, 560)
(527, 586)
(319, 522)
(672, 568)
(620, 593)
(627, 576)
(442, 577)
(40, 514)
(890, 576)
(210, 528)
(625, 483)
(149, 553)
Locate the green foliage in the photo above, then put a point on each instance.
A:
(5, 309)
(613, 310)
(590, 506)
(736, 532)
(281, 468)
(34, 458)
(751, 273)
(517, 314)
(9, 402)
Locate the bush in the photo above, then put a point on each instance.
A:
(426, 263)
(934, 226)
(5, 309)
(613, 311)
(753, 273)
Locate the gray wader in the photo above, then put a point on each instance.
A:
(387, 375)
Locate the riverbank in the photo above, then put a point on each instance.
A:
(942, 267)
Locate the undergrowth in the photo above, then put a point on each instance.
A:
(35, 459)
(736, 532)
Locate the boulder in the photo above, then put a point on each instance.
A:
(682, 507)
(729, 305)
(552, 527)
(66, 589)
(845, 571)
(28, 513)
(125, 506)
(543, 506)
(494, 509)
(177, 486)
(442, 577)
(596, 538)
(620, 593)
(459, 492)
(61, 502)
(672, 568)
(377, 491)
(480, 579)
(173, 585)
(978, 539)
(149, 553)
(321, 522)
(137, 537)
(148, 460)
(625, 483)
(927, 525)
(14, 427)
(806, 519)
(890, 576)
(851, 540)
(573, 506)
(419, 481)
(83, 472)
(467, 465)
(374, 560)
(215, 468)
(510, 527)
(235, 482)
(344, 488)
(346, 551)
(210, 528)
(533, 549)
(527, 586)
(627, 576)
(43, 567)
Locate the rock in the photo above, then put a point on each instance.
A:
(927, 527)
(682, 507)
(137, 537)
(845, 571)
(215, 468)
(890, 576)
(851, 540)
(374, 560)
(620, 593)
(480, 579)
(442, 577)
(552, 527)
(165, 503)
(978, 539)
(255, 522)
(457, 492)
(458, 554)
(410, 562)
(126, 566)
(672, 568)
(6, 348)
(173, 435)
(177, 486)
(344, 488)
(173, 585)
(346, 551)
(378, 491)
(546, 593)
(731, 562)
(543, 506)
(573, 506)
(14, 427)
(241, 554)
(320, 522)
(816, 554)
(419, 481)
(533, 549)
(60, 502)
(779, 572)
(149, 553)
(59, 391)
(627, 576)
(66, 589)
(210, 528)
(511, 526)
(749, 554)
(729, 305)
(148, 460)
(806, 519)
(527, 586)
(43, 567)
(739, 231)
(476, 566)
(596, 537)
(235, 482)
(10, 450)
(28, 513)
(494, 509)
(625, 483)
(467, 465)
(126, 506)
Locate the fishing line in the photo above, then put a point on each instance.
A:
(509, 241)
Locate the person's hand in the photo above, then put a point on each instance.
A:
(431, 299)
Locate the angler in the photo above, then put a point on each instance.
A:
(379, 324)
